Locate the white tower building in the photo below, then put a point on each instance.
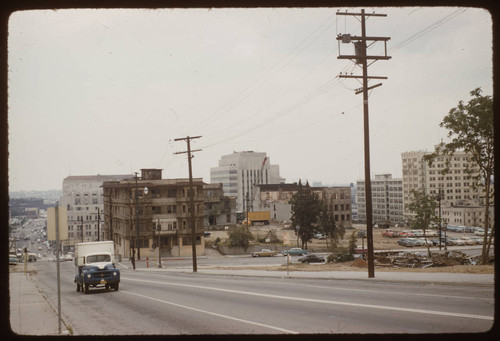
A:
(238, 172)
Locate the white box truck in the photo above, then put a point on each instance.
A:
(95, 266)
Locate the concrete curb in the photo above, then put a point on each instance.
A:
(407, 277)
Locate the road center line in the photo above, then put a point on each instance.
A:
(212, 313)
(358, 305)
(379, 291)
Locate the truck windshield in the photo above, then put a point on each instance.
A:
(98, 258)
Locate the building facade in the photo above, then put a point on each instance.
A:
(387, 200)
(147, 211)
(455, 186)
(83, 198)
(240, 171)
(275, 198)
(220, 210)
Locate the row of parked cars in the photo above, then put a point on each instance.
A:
(294, 251)
(409, 233)
(450, 241)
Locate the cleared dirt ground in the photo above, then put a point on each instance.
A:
(379, 243)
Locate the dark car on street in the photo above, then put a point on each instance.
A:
(311, 259)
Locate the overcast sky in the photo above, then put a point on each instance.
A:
(107, 91)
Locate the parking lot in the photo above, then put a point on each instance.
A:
(380, 242)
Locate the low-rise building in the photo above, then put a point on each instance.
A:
(276, 197)
(148, 212)
(220, 210)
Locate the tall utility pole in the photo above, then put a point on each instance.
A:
(137, 219)
(361, 57)
(191, 194)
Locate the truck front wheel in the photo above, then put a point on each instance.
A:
(78, 287)
(117, 286)
(86, 289)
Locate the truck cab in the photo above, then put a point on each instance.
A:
(95, 266)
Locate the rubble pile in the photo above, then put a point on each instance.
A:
(416, 260)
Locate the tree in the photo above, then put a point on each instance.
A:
(328, 227)
(240, 236)
(305, 207)
(424, 206)
(471, 129)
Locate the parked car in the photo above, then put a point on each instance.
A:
(479, 240)
(417, 242)
(469, 229)
(206, 234)
(319, 236)
(468, 240)
(431, 233)
(405, 242)
(406, 234)
(455, 241)
(311, 259)
(417, 233)
(264, 253)
(390, 234)
(455, 228)
(13, 260)
(425, 242)
(435, 242)
(294, 251)
(480, 232)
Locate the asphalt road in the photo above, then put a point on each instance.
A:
(193, 303)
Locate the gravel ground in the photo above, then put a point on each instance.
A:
(379, 243)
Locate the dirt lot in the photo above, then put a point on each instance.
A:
(380, 243)
(288, 237)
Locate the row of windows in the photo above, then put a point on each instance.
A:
(73, 235)
(79, 208)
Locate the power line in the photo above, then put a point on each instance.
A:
(426, 30)
(348, 68)
(315, 93)
(263, 78)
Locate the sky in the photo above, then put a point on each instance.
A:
(106, 91)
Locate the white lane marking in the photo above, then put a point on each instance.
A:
(379, 291)
(358, 305)
(214, 314)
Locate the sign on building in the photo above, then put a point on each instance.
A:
(62, 222)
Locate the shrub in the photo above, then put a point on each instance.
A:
(240, 236)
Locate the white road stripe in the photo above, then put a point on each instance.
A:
(214, 314)
(359, 305)
(378, 291)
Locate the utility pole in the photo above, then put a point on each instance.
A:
(191, 194)
(98, 224)
(361, 57)
(137, 219)
(439, 201)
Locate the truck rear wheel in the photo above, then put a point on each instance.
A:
(78, 287)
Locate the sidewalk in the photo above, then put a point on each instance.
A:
(30, 314)
(388, 276)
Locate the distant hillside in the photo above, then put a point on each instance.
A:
(50, 195)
